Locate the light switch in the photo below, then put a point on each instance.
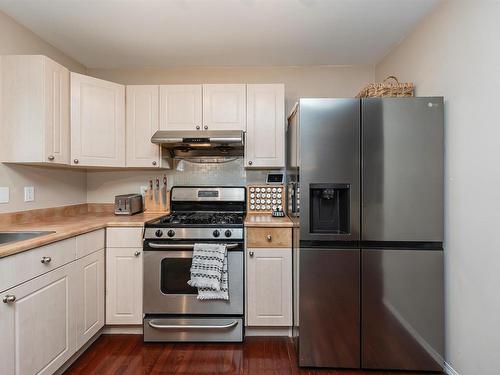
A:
(4, 194)
(29, 193)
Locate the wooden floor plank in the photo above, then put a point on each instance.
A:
(129, 355)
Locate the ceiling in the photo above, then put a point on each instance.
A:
(162, 33)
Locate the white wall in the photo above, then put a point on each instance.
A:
(311, 81)
(455, 52)
(53, 187)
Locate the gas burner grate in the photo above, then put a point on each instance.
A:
(200, 218)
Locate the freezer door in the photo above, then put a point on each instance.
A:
(402, 169)
(402, 310)
(329, 169)
(329, 317)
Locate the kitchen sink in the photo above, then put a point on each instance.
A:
(8, 237)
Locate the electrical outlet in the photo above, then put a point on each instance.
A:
(4, 194)
(29, 193)
(144, 188)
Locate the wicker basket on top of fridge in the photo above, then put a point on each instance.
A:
(389, 87)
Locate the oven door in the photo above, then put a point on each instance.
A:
(166, 272)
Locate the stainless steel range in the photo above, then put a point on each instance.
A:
(172, 311)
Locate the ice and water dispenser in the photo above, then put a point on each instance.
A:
(330, 208)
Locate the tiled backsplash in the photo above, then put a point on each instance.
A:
(228, 173)
(102, 186)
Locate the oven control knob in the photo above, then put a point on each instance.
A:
(227, 233)
(170, 233)
(159, 233)
(216, 233)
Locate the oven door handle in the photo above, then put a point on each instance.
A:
(154, 245)
(154, 324)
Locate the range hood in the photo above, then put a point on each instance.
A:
(201, 143)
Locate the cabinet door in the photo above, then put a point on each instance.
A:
(180, 107)
(224, 107)
(97, 122)
(90, 296)
(269, 287)
(265, 140)
(142, 122)
(123, 286)
(56, 132)
(35, 113)
(38, 328)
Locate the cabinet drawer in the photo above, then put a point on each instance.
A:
(124, 237)
(22, 267)
(269, 237)
(89, 243)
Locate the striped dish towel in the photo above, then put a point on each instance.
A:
(209, 271)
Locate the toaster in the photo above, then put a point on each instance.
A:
(128, 204)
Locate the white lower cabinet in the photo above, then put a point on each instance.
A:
(269, 287)
(124, 285)
(38, 325)
(90, 296)
(52, 313)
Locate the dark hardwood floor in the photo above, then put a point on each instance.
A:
(127, 354)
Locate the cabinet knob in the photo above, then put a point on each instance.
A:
(269, 237)
(197, 127)
(250, 253)
(51, 157)
(46, 260)
(137, 253)
(250, 162)
(205, 127)
(9, 298)
(154, 163)
(75, 161)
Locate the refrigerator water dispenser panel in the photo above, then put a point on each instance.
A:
(329, 208)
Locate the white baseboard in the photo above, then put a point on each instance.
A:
(268, 331)
(123, 330)
(450, 370)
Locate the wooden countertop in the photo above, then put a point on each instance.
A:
(79, 219)
(68, 226)
(267, 221)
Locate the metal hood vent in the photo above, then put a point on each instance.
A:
(185, 144)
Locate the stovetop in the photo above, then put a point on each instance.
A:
(199, 219)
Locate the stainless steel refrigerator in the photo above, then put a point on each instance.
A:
(366, 185)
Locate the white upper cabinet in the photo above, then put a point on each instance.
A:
(180, 107)
(97, 122)
(224, 107)
(35, 110)
(265, 140)
(142, 122)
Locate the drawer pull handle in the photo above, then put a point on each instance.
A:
(154, 163)
(9, 299)
(269, 237)
(76, 161)
(251, 253)
(46, 260)
(137, 253)
(158, 325)
(51, 157)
